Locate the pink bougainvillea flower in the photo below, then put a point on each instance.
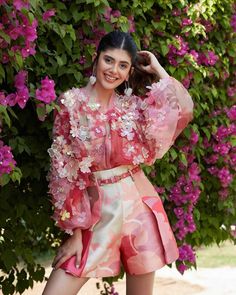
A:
(116, 13)
(47, 92)
(231, 113)
(20, 79)
(19, 4)
(131, 24)
(2, 2)
(212, 58)
(15, 32)
(22, 96)
(11, 99)
(29, 29)
(7, 162)
(176, 12)
(225, 177)
(48, 14)
(233, 22)
(186, 22)
(107, 13)
(231, 91)
(3, 100)
(208, 25)
(29, 49)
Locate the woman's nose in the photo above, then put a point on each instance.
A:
(114, 68)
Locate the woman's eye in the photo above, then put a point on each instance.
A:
(123, 66)
(107, 60)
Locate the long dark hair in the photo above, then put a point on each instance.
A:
(138, 79)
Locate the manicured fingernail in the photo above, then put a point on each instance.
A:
(77, 266)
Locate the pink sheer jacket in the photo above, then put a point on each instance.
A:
(132, 131)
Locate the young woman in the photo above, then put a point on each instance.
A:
(102, 198)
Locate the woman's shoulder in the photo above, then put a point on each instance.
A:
(73, 97)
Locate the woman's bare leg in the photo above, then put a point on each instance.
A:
(140, 284)
(61, 283)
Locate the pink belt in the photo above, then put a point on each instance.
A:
(117, 178)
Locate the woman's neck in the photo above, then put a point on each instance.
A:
(101, 95)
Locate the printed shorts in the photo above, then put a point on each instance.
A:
(133, 230)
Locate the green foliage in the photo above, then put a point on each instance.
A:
(64, 49)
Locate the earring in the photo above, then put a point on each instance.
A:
(92, 79)
(128, 90)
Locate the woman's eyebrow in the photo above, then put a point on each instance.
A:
(123, 61)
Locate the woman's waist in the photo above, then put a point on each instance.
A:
(114, 174)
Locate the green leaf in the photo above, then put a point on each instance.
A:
(173, 154)
(16, 174)
(183, 159)
(19, 59)
(233, 140)
(5, 37)
(4, 115)
(9, 258)
(4, 179)
(207, 132)
(2, 72)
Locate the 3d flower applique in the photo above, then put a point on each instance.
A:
(94, 106)
(126, 132)
(69, 232)
(98, 131)
(69, 99)
(81, 132)
(138, 160)
(102, 117)
(85, 163)
(59, 204)
(65, 215)
(71, 169)
(129, 150)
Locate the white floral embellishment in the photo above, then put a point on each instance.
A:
(138, 160)
(129, 150)
(102, 117)
(59, 204)
(161, 114)
(94, 106)
(127, 133)
(85, 164)
(82, 132)
(69, 99)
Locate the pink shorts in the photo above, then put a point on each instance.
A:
(133, 230)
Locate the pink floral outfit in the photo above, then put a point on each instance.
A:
(96, 184)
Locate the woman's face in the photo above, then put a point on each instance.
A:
(113, 67)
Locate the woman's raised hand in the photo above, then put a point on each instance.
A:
(150, 64)
(72, 246)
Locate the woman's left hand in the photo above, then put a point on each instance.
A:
(150, 64)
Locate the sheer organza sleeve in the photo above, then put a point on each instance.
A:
(68, 177)
(167, 110)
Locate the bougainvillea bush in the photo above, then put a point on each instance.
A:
(46, 48)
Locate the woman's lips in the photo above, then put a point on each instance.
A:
(109, 78)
